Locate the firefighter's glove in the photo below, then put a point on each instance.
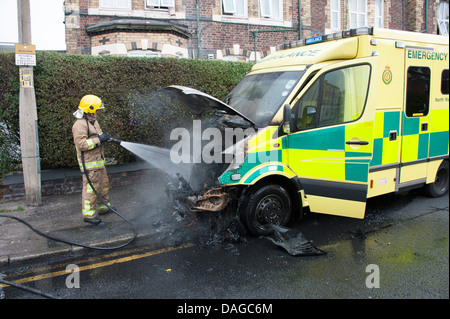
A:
(105, 137)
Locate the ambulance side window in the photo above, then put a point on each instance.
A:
(307, 107)
(338, 96)
(417, 91)
(444, 82)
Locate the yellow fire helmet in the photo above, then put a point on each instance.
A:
(90, 104)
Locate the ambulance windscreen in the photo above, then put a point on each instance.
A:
(259, 96)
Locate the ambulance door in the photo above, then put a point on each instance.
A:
(415, 117)
(331, 147)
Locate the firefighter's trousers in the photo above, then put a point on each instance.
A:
(91, 204)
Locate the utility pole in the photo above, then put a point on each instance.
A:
(29, 144)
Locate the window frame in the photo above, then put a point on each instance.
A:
(359, 12)
(380, 15)
(102, 5)
(443, 24)
(233, 11)
(338, 15)
(270, 13)
(159, 4)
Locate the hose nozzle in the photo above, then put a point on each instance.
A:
(115, 140)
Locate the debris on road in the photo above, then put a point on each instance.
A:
(293, 241)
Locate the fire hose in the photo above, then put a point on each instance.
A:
(68, 241)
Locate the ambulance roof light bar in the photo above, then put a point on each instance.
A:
(327, 37)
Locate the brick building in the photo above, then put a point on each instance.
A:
(231, 29)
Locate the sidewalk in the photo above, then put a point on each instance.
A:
(144, 204)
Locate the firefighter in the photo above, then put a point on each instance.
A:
(89, 139)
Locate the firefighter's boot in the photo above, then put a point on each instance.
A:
(93, 220)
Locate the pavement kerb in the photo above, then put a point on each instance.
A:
(60, 213)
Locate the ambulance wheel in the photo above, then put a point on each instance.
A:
(266, 204)
(440, 186)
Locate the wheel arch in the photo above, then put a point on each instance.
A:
(431, 189)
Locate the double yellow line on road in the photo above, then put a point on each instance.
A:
(99, 264)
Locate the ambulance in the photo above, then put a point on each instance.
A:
(341, 118)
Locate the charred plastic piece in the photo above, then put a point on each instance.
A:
(214, 200)
(293, 242)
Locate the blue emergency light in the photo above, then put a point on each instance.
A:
(327, 37)
(313, 40)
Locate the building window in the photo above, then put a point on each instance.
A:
(272, 9)
(159, 4)
(115, 4)
(443, 12)
(143, 54)
(235, 7)
(379, 13)
(335, 22)
(357, 13)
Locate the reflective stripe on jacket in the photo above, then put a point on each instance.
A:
(89, 145)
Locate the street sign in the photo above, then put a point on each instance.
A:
(26, 80)
(25, 54)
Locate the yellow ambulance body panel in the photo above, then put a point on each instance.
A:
(355, 114)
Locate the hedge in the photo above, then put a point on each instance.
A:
(128, 87)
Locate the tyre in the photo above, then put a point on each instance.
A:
(263, 205)
(440, 186)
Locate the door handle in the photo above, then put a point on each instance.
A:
(392, 135)
(356, 142)
(424, 127)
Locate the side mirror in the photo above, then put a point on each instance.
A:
(311, 111)
(287, 119)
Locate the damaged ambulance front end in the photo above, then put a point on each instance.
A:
(239, 152)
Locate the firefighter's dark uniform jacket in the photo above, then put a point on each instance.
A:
(85, 138)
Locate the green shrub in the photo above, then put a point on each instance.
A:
(127, 86)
